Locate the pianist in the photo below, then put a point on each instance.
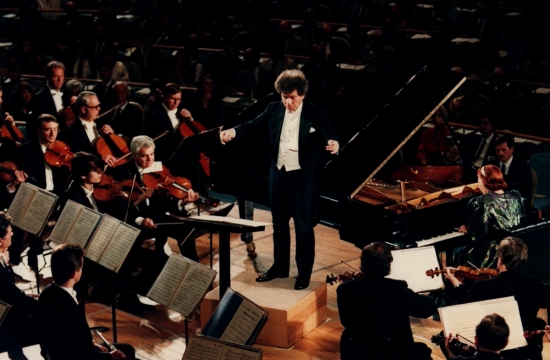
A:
(375, 310)
(489, 217)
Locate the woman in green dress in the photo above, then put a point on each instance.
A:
(489, 218)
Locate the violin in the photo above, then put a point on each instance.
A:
(11, 132)
(457, 347)
(7, 169)
(58, 154)
(467, 273)
(189, 127)
(176, 186)
(108, 189)
(343, 277)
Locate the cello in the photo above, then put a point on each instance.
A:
(11, 132)
(190, 127)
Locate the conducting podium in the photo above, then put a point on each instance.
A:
(224, 226)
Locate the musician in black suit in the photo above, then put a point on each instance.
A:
(517, 173)
(151, 206)
(296, 131)
(49, 100)
(63, 329)
(18, 328)
(84, 131)
(530, 293)
(104, 90)
(375, 310)
(127, 119)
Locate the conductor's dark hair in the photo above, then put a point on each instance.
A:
(376, 259)
(505, 139)
(512, 252)
(171, 89)
(83, 163)
(5, 222)
(66, 259)
(45, 118)
(291, 80)
(492, 332)
(48, 70)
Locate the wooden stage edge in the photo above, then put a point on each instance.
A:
(159, 335)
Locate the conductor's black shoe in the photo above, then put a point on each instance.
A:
(301, 283)
(270, 275)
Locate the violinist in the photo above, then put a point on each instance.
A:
(151, 206)
(127, 119)
(84, 132)
(530, 293)
(491, 337)
(375, 310)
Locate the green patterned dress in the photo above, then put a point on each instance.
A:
(490, 216)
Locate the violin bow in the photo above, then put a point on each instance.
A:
(130, 196)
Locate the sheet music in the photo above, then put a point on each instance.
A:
(21, 202)
(192, 289)
(173, 271)
(65, 222)
(203, 349)
(243, 323)
(84, 227)
(101, 238)
(39, 211)
(411, 265)
(235, 353)
(463, 319)
(119, 247)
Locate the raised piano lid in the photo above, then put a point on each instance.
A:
(373, 146)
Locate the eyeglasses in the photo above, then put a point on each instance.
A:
(93, 107)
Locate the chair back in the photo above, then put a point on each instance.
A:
(534, 182)
(540, 162)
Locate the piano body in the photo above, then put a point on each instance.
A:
(367, 191)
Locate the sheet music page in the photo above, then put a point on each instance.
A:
(65, 222)
(463, 319)
(411, 265)
(201, 348)
(192, 289)
(237, 353)
(105, 230)
(119, 246)
(243, 323)
(172, 273)
(229, 220)
(21, 202)
(39, 211)
(509, 310)
(84, 227)
(4, 308)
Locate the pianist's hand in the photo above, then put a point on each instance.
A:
(333, 146)
(227, 135)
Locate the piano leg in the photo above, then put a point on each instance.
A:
(246, 211)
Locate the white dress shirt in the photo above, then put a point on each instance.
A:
(91, 131)
(288, 142)
(49, 174)
(173, 115)
(57, 96)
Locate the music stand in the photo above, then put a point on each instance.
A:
(224, 226)
(195, 144)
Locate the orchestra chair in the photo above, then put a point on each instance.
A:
(134, 71)
(540, 162)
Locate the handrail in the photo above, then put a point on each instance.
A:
(502, 132)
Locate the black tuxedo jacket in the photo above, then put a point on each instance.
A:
(519, 177)
(315, 131)
(129, 122)
(64, 331)
(376, 310)
(104, 94)
(41, 103)
(157, 123)
(23, 306)
(30, 159)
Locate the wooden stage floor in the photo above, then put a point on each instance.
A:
(160, 334)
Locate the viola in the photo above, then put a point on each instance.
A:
(189, 127)
(11, 132)
(343, 277)
(7, 169)
(176, 186)
(58, 154)
(108, 189)
(114, 145)
(467, 273)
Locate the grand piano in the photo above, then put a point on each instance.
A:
(373, 190)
